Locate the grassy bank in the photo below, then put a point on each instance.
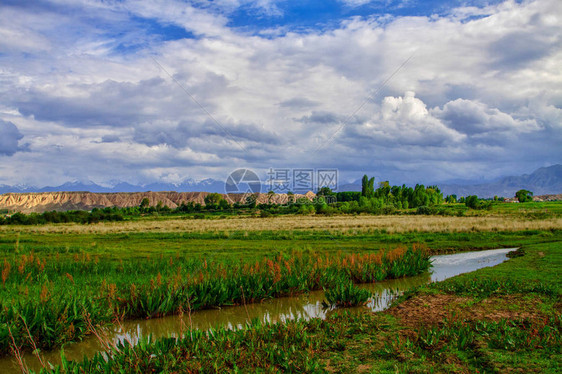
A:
(495, 320)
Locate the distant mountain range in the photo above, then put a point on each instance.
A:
(189, 185)
(546, 180)
(543, 181)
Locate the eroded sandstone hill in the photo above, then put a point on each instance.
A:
(61, 201)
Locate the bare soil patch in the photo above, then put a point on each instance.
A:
(433, 309)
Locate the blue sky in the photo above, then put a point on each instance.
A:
(328, 13)
(143, 91)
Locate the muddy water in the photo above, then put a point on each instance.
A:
(281, 309)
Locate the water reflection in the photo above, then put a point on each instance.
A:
(281, 309)
(448, 266)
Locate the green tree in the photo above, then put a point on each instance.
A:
(451, 199)
(434, 194)
(270, 196)
(145, 203)
(224, 205)
(251, 201)
(348, 196)
(368, 186)
(383, 190)
(325, 191)
(384, 184)
(213, 198)
(290, 197)
(524, 196)
(472, 202)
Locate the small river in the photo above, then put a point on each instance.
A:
(281, 309)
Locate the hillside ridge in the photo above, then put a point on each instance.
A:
(39, 202)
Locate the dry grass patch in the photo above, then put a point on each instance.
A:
(349, 224)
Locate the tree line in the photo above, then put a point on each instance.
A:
(385, 199)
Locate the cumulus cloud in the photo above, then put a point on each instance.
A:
(9, 138)
(405, 120)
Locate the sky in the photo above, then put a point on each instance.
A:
(144, 91)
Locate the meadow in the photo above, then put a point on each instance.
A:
(495, 320)
(253, 238)
(60, 281)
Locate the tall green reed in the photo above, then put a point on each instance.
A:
(52, 295)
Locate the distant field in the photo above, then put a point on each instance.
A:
(362, 223)
(222, 239)
(546, 208)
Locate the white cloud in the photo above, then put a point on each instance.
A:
(480, 95)
(406, 121)
(355, 3)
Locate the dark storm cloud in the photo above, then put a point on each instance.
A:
(181, 135)
(9, 138)
(108, 103)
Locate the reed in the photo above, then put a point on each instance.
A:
(345, 295)
(58, 292)
(261, 347)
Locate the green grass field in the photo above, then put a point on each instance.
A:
(54, 275)
(494, 320)
(221, 246)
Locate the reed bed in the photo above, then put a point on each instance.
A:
(58, 299)
(259, 347)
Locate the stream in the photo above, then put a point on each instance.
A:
(280, 309)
